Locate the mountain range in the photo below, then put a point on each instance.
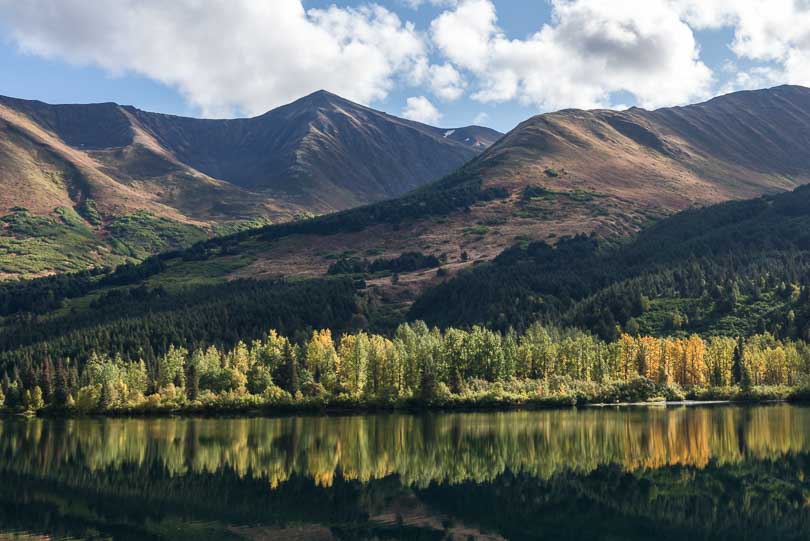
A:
(143, 182)
(106, 161)
(610, 173)
(603, 220)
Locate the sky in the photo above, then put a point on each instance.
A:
(448, 63)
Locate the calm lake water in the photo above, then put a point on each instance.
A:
(708, 472)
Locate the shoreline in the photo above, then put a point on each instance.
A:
(329, 410)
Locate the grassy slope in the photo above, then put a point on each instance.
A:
(32, 245)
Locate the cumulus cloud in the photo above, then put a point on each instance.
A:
(227, 56)
(773, 32)
(420, 109)
(247, 56)
(590, 50)
(446, 82)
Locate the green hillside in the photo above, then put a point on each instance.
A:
(732, 269)
(32, 245)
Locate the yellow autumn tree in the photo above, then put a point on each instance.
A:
(353, 355)
(322, 360)
(694, 359)
(628, 356)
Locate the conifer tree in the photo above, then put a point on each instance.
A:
(46, 379)
(737, 362)
(61, 384)
(290, 378)
(192, 382)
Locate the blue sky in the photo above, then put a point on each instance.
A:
(445, 62)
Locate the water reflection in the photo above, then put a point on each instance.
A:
(701, 472)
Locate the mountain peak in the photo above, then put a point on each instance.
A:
(317, 154)
(321, 93)
(323, 97)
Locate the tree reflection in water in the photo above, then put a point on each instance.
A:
(632, 473)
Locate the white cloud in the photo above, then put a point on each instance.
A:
(247, 56)
(590, 49)
(751, 78)
(227, 56)
(772, 32)
(420, 109)
(465, 34)
(446, 82)
(416, 4)
(481, 119)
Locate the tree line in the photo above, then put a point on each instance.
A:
(143, 321)
(405, 262)
(416, 363)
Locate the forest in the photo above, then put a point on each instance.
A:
(733, 269)
(417, 366)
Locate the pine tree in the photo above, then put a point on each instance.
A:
(290, 381)
(73, 377)
(192, 382)
(737, 363)
(46, 380)
(61, 384)
(28, 376)
(13, 396)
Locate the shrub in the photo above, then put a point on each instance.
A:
(275, 394)
(87, 398)
(672, 392)
(639, 389)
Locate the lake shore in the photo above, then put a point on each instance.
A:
(254, 406)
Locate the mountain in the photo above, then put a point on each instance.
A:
(474, 136)
(609, 173)
(605, 172)
(323, 152)
(734, 146)
(101, 163)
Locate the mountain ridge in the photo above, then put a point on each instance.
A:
(601, 172)
(107, 162)
(276, 152)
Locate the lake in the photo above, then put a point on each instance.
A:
(699, 472)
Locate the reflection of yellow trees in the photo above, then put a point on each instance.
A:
(420, 449)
